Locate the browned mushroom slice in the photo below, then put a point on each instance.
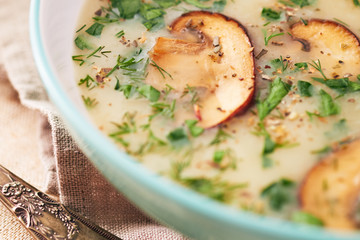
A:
(331, 189)
(329, 38)
(212, 52)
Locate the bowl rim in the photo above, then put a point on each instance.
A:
(166, 188)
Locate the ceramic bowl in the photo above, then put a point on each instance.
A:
(52, 25)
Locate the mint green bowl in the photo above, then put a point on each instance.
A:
(52, 24)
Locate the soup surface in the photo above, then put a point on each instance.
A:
(256, 109)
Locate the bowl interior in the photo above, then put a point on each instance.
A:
(52, 27)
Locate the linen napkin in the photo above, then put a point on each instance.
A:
(70, 175)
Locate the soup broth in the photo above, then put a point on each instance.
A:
(247, 162)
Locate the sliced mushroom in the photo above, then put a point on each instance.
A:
(331, 189)
(328, 36)
(209, 51)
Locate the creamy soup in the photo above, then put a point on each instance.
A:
(242, 108)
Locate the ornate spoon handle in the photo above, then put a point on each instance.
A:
(43, 217)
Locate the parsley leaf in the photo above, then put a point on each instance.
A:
(280, 63)
(328, 106)
(149, 92)
(305, 88)
(301, 66)
(356, 3)
(153, 16)
(127, 8)
(177, 138)
(95, 29)
(278, 90)
(218, 156)
(278, 193)
(213, 188)
(270, 14)
(167, 3)
(306, 218)
(294, 3)
(195, 131)
(82, 43)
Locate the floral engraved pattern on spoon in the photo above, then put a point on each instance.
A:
(31, 206)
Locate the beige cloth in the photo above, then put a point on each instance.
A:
(69, 173)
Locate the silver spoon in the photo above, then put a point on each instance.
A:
(42, 216)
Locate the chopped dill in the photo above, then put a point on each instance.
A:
(317, 66)
(89, 103)
(161, 70)
(89, 82)
(268, 38)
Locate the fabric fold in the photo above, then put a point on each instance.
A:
(70, 175)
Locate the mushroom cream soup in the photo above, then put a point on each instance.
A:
(251, 103)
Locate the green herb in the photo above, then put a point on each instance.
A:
(150, 12)
(89, 82)
(93, 54)
(95, 29)
(213, 188)
(164, 109)
(358, 77)
(126, 127)
(327, 107)
(127, 65)
(305, 22)
(79, 58)
(269, 146)
(324, 150)
(167, 90)
(305, 88)
(270, 14)
(177, 138)
(317, 66)
(220, 137)
(278, 90)
(153, 16)
(294, 3)
(356, 3)
(195, 131)
(149, 92)
(301, 66)
(127, 8)
(81, 28)
(197, 3)
(192, 92)
(218, 6)
(89, 102)
(150, 144)
(342, 22)
(218, 156)
(167, 3)
(339, 130)
(340, 85)
(280, 63)
(306, 218)
(82, 43)
(105, 20)
(161, 70)
(120, 34)
(278, 193)
(127, 89)
(268, 38)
